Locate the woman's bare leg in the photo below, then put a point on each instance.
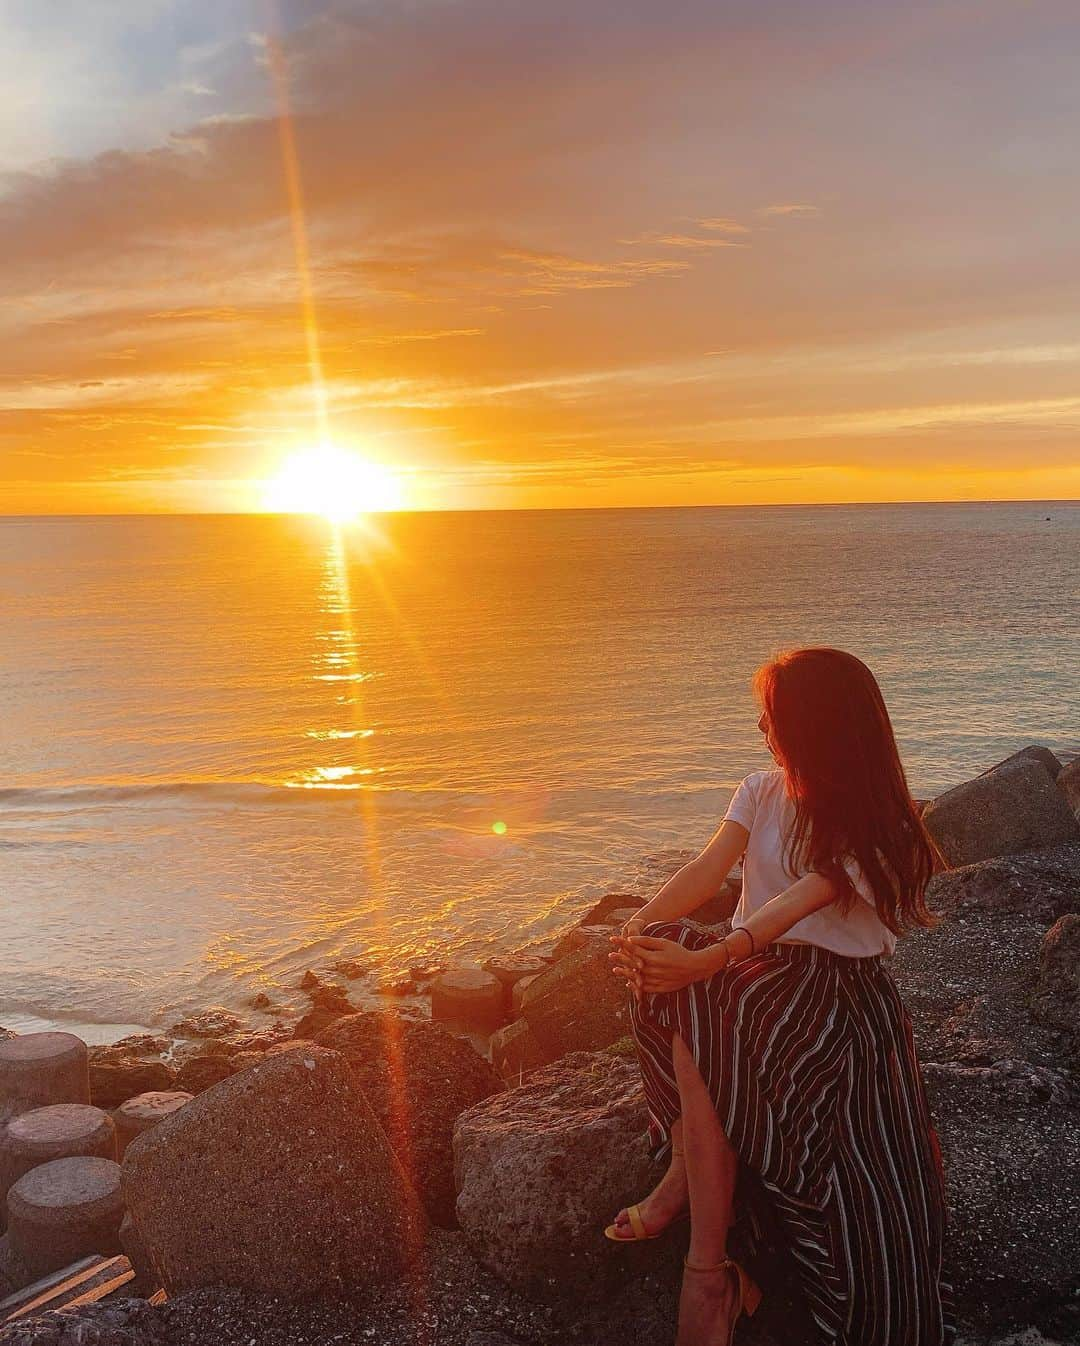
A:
(667, 1200)
(707, 1301)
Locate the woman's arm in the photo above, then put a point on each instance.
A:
(699, 879)
(773, 920)
(663, 965)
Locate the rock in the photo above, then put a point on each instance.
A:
(394, 987)
(1014, 1081)
(1057, 988)
(468, 996)
(511, 967)
(425, 972)
(515, 1051)
(541, 1170)
(576, 1004)
(583, 936)
(1014, 1241)
(119, 1322)
(215, 1022)
(1015, 807)
(314, 1022)
(59, 1131)
(331, 997)
(418, 1079)
(1041, 886)
(200, 1073)
(64, 1210)
(37, 1069)
(139, 1114)
(600, 913)
(350, 968)
(619, 917)
(1068, 782)
(517, 991)
(244, 1060)
(261, 1001)
(114, 1079)
(1035, 752)
(279, 1181)
(136, 1253)
(967, 984)
(139, 1044)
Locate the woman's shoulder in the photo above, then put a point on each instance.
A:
(766, 784)
(755, 795)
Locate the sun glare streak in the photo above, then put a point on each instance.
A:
(393, 1027)
(398, 1091)
(290, 161)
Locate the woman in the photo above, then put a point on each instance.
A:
(784, 1051)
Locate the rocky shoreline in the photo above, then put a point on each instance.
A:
(370, 1176)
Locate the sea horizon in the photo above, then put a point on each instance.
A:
(553, 509)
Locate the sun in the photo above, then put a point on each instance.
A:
(333, 482)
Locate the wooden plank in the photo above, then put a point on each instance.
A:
(101, 1291)
(59, 1295)
(157, 1298)
(12, 1302)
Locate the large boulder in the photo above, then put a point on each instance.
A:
(278, 1180)
(1040, 886)
(577, 1004)
(1010, 1139)
(541, 1169)
(418, 1079)
(1034, 752)
(1014, 807)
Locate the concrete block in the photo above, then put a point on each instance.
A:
(139, 1114)
(64, 1210)
(41, 1068)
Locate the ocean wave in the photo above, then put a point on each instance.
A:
(244, 794)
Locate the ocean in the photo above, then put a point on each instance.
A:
(234, 747)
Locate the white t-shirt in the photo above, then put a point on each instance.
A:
(762, 805)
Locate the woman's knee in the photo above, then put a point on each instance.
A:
(664, 929)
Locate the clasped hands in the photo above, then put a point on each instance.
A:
(650, 965)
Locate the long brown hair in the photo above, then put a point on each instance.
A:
(831, 734)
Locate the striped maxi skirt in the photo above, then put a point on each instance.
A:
(810, 1061)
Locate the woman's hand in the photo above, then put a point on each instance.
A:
(653, 965)
(623, 963)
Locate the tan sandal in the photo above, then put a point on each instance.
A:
(748, 1295)
(639, 1232)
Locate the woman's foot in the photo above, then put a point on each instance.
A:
(665, 1203)
(708, 1304)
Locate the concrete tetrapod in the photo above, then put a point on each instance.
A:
(469, 996)
(60, 1131)
(42, 1068)
(139, 1114)
(64, 1210)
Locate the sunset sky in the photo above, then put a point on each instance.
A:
(591, 253)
